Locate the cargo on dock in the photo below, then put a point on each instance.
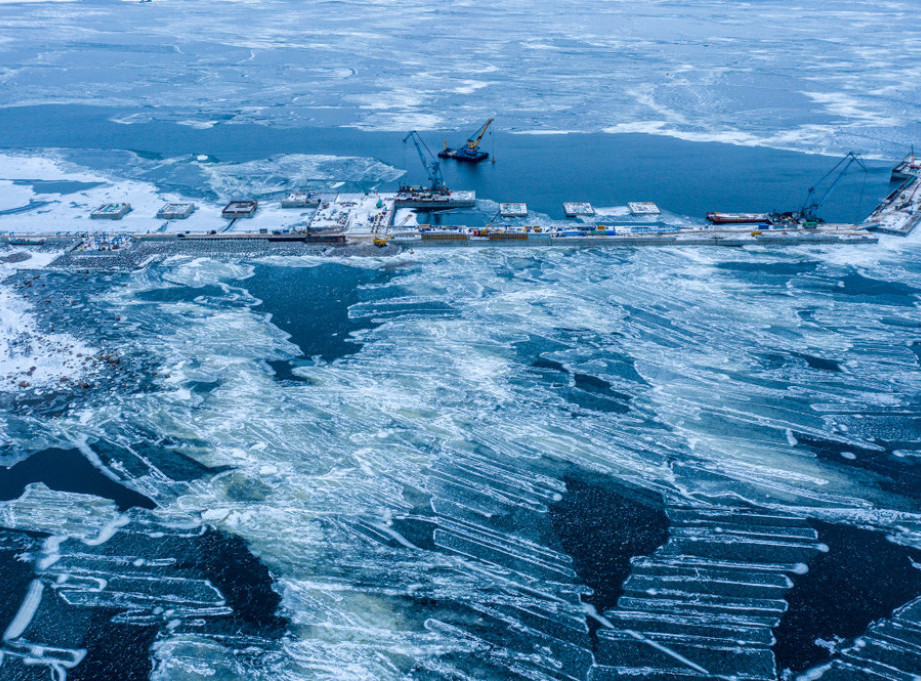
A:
(513, 210)
(424, 199)
(111, 211)
(240, 209)
(826, 234)
(507, 236)
(739, 218)
(300, 200)
(578, 209)
(443, 236)
(176, 211)
(643, 208)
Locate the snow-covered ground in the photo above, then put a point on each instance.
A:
(33, 358)
(46, 192)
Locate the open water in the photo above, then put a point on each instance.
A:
(679, 463)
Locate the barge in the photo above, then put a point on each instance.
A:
(739, 218)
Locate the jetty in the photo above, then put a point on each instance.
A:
(404, 219)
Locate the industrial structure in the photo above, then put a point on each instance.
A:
(176, 211)
(388, 219)
(807, 213)
(435, 195)
(300, 200)
(111, 211)
(240, 209)
(909, 167)
(807, 216)
(470, 150)
(575, 209)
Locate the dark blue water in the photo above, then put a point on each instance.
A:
(311, 304)
(687, 178)
(861, 578)
(473, 418)
(67, 471)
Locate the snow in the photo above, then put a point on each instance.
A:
(264, 179)
(753, 74)
(28, 354)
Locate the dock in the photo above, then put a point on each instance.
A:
(425, 199)
(513, 210)
(176, 211)
(643, 208)
(111, 211)
(909, 168)
(240, 209)
(369, 219)
(575, 209)
(467, 236)
(900, 212)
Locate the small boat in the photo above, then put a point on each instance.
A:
(739, 218)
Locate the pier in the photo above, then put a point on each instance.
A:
(392, 219)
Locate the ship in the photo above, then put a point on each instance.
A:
(739, 218)
(470, 151)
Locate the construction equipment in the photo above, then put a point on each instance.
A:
(470, 152)
(432, 165)
(807, 214)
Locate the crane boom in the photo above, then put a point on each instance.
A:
(469, 151)
(474, 142)
(432, 167)
(808, 211)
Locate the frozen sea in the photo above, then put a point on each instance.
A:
(666, 464)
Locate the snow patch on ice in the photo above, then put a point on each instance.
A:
(32, 358)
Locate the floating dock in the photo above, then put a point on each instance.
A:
(176, 211)
(111, 211)
(239, 209)
(578, 209)
(513, 210)
(643, 208)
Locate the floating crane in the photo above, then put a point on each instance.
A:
(808, 212)
(431, 164)
(470, 152)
